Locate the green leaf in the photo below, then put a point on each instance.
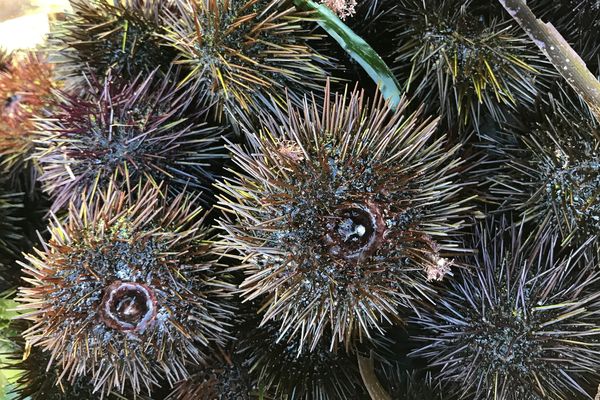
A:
(358, 49)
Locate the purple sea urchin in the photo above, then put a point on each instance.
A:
(522, 325)
(120, 36)
(453, 55)
(243, 52)
(341, 215)
(127, 291)
(126, 132)
(550, 166)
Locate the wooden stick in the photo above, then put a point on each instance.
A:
(568, 63)
(367, 372)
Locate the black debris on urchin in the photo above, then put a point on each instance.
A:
(342, 215)
(127, 132)
(120, 36)
(243, 52)
(549, 166)
(521, 324)
(457, 57)
(283, 369)
(127, 291)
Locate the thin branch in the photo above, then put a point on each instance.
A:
(568, 63)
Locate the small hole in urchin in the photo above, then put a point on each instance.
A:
(356, 229)
(128, 306)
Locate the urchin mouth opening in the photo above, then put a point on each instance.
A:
(355, 230)
(128, 306)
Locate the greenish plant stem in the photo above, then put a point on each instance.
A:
(566, 60)
(367, 372)
(357, 48)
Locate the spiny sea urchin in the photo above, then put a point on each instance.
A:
(342, 215)
(126, 132)
(221, 378)
(455, 57)
(282, 369)
(242, 52)
(25, 90)
(11, 235)
(127, 291)
(550, 166)
(522, 325)
(33, 381)
(120, 36)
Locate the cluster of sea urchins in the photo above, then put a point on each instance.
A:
(230, 220)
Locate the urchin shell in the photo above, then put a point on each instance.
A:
(282, 369)
(127, 291)
(549, 166)
(521, 324)
(455, 58)
(126, 132)
(342, 215)
(26, 92)
(243, 52)
(122, 37)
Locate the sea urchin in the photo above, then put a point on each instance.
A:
(522, 325)
(127, 291)
(342, 214)
(126, 132)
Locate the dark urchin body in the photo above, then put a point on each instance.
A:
(521, 325)
(127, 292)
(126, 132)
(457, 56)
(121, 36)
(242, 52)
(342, 215)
